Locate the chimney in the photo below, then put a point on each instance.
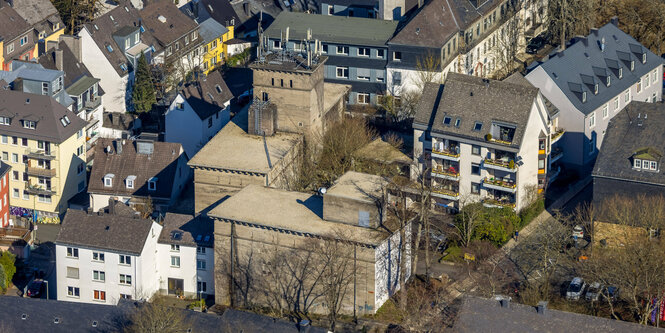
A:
(115, 119)
(420, 3)
(505, 302)
(58, 59)
(584, 40)
(594, 31)
(111, 206)
(51, 44)
(615, 20)
(118, 146)
(74, 44)
(542, 307)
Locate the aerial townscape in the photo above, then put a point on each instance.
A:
(332, 166)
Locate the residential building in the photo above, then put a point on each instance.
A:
(629, 164)
(134, 171)
(483, 140)
(45, 145)
(469, 37)
(111, 46)
(287, 220)
(45, 20)
(355, 47)
(502, 315)
(198, 112)
(593, 79)
(24, 314)
(116, 125)
(17, 37)
(35, 79)
(356, 8)
(4, 194)
(80, 85)
(102, 258)
(185, 256)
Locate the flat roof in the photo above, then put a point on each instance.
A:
(381, 151)
(232, 148)
(358, 186)
(294, 211)
(332, 92)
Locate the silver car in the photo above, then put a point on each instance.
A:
(575, 289)
(593, 293)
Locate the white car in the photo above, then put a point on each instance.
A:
(575, 289)
(593, 293)
(578, 232)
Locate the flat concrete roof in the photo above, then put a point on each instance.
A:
(295, 211)
(332, 92)
(232, 148)
(381, 151)
(358, 186)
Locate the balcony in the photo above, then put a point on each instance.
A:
(445, 173)
(500, 164)
(558, 133)
(40, 172)
(501, 185)
(446, 154)
(39, 189)
(445, 193)
(556, 155)
(498, 203)
(40, 154)
(92, 123)
(553, 174)
(92, 104)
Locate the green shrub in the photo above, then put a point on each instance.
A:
(3, 280)
(454, 254)
(511, 164)
(8, 261)
(531, 212)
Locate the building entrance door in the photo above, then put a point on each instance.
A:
(176, 286)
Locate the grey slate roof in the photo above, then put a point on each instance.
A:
(35, 11)
(43, 109)
(472, 99)
(177, 24)
(4, 168)
(585, 61)
(625, 137)
(105, 232)
(193, 230)
(162, 163)
(12, 25)
(487, 315)
(211, 29)
(333, 29)
(204, 97)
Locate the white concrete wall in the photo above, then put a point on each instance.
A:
(527, 173)
(99, 201)
(113, 84)
(187, 270)
(387, 267)
(147, 265)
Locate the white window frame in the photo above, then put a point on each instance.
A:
(125, 280)
(395, 58)
(626, 96)
(654, 165)
(365, 98)
(125, 260)
(654, 76)
(342, 50)
(99, 255)
(363, 54)
(175, 248)
(152, 184)
(616, 104)
(646, 80)
(72, 252)
(606, 109)
(592, 119)
(637, 163)
(98, 276)
(345, 72)
(175, 261)
(201, 265)
(73, 292)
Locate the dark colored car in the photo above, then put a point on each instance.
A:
(35, 288)
(535, 44)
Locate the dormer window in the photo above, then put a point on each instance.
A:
(584, 97)
(65, 121)
(632, 65)
(152, 184)
(637, 163)
(123, 67)
(108, 180)
(646, 159)
(478, 126)
(127, 43)
(644, 58)
(109, 47)
(29, 124)
(609, 79)
(595, 89)
(621, 72)
(5, 120)
(458, 121)
(129, 182)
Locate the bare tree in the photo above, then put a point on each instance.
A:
(505, 46)
(470, 217)
(644, 20)
(157, 317)
(568, 18)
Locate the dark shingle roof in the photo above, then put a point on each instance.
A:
(46, 111)
(582, 64)
(35, 11)
(4, 168)
(125, 121)
(162, 163)
(473, 99)
(487, 315)
(73, 69)
(192, 230)
(11, 24)
(204, 97)
(106, 231)
(177, 24)
(625, 138)
(333, 29)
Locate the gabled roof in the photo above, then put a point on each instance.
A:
(175, 25)
(161, 162)
(208, 95)
(74, 70)
(104, 231)
(210, 30)
(187, 230)
(36, 11)
(220, 11)
(333, 29)
(591, 59)
(12, 25)
(473, 99)
(635, 132)
(48, 113)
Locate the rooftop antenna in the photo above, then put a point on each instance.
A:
(309, 47)
(259, 50)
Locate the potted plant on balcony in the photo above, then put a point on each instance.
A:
(488, 137)
(511, 164)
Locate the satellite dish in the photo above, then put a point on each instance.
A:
(322, 190)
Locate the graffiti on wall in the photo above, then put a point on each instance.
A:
(39, 218)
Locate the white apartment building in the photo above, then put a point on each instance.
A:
(483, 140)
(185, 256)
(102, 258)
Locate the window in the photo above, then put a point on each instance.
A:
(363, 98)
(175, 248)
(343, 50)
(654, 165)
(379, 53)
(201, 265)
(397, 78)
(4, 139)
(73, 272)
(654, 76)
(541, 164)
(475, 169)
(632, 65)
(4, 121)
(14, 140)
(14, 158)
(363, 52)
(125, 279)
(152, 184)
(72, 252)
(475, 188)
(186, 40)
(397, 56)
(606, 108)
(98, 256)
(79, 134)
(475, 150)
(609, 80)
(99, 295)
(541, 144)
(276, 44)
(5, 157)
(108, 180)
(644, 58)
(331, 10)
(343, 72)
(616, 103)
(477, 126)
(109, 48)
(125, 260)
(620, 72)
(209, 122)
(126, 43)
(200, 249)
(10, 48)
(195, 35)
(73, 292)
(15, 193)
(646, 81)
(637, 163)
(24, 142)
(626, 96)
(592, 119)
(99, 276)
(44, 198)
(175, 261)
(595, 89)
(584, 97)
(638, 86)
(201, 286)
(125, 296)
(26, 195)
(458, 121)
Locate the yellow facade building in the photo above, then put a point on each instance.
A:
(45, 145)
(215, 50)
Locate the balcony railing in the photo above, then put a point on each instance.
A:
(500, 164)
(445, 152)
(40, 154)
(446, 173)
(558, 132)
(40, 172)
(92, 104)
(498, 203)
(39, 189)
(445, 193)
(499, 184)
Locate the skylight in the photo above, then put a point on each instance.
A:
(447, 120)
(478, 126)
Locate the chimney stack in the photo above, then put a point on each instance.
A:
(615, 20)
(74, 44)
(115, 118)
(111, 206)
(58, 59)
(594, 31)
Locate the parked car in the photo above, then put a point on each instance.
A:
(575, 289)
(612, 292)
(593, 293)
(35, 288)
(578, 232)
(535, 44)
